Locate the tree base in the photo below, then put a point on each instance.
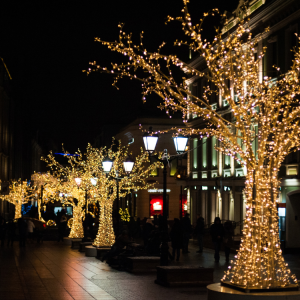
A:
(218, 292)
(291, 287)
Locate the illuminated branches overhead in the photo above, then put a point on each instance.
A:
(232, 74)
(83, 173)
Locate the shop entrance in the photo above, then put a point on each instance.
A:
(293, 220)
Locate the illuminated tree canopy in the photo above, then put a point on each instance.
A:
(233, 73)
(62, 183)
(19, 193)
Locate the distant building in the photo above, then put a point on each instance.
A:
(6, 131)
(147, 203)
(216, 181)
(20, 152)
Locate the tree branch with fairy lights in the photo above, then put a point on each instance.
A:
(105, 190)
(232, 72)
(87, 169)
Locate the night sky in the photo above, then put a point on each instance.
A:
(47, 44)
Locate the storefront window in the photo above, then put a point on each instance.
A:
(156, 205)
(184, 206)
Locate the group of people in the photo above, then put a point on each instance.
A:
(181, 232)
(222, 235)
(8, 231)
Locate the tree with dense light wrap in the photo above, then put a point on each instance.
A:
(232, 72)
(19, 193)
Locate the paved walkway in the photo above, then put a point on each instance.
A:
(55, 271)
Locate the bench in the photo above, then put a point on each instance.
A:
(184, 276)
(90, 251)
(142, 264)
(101, 251)
(76, 243)
(82, 246)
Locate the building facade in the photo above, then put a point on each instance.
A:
(6, 132)
(148, 203)
(216, 181)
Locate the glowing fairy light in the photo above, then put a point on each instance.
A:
(19, 193)
(272, 107)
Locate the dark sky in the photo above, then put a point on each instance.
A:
(47, 44)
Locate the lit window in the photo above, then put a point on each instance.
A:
(227, 173)
(225, 103)
(204, 152)
(195, 153)
(204, 188)
(214, 151)
(214, 174)
(214, 106)
(204, 174)
(195, 175)
(239, 172)
(292, 170)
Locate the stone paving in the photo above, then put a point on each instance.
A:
(55, 271)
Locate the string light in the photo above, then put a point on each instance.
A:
(60, 185)
(125, 216)
(19, 193)
(106, 189)
(233, 73)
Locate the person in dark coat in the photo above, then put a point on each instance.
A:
(11, 231)
(217, 233)
(199, 230)
(147, 228)
(228, 238)
(62, 225)
(2, 231)
(121, 241)
(22, 225)
(176, 238)
(187, 230)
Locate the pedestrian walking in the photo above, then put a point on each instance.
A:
(30, 228)
(62, 224)
(22, 225)
(228, 238)
(187, 230)
(176, 238)
(199, 230)
(217, 232)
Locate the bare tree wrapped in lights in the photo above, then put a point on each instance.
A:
(19, 193)
(85, 174)
(253, 101)
(71, 184)
(105, 190)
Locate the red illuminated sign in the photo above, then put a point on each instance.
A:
(156, 205)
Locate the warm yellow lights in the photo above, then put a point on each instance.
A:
(19, 193)
(51, 223)
(261, 110)
(72, 185)
(106, 188)
(125, 216)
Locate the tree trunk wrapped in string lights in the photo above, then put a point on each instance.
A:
(232, 72)
(71, 185)
(77, 227)
(105, 235)
(101, 187)
(19, 193)
(105, 191)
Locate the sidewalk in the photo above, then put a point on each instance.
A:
(55, 271)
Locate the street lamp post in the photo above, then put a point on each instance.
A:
(180, 142)
(128, 166)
